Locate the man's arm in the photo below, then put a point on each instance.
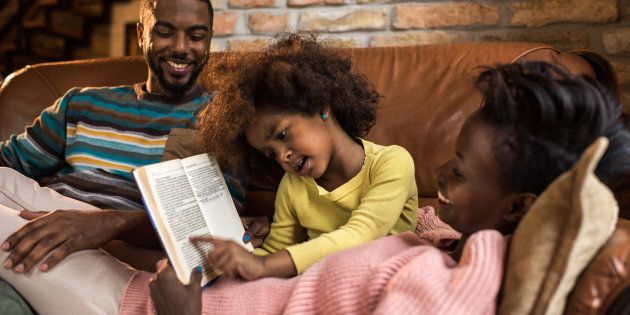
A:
(39, 150)
(137, 230)
(61, 233)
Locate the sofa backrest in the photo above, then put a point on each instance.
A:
(427, 91)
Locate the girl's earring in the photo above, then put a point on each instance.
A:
(324, 116)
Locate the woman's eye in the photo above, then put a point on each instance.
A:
(457, 173)
(272, 155)
(282, 134)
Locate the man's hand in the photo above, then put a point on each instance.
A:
(172, 297)
(59, 233)
(233, 260)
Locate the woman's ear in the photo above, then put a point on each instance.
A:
(519, 207)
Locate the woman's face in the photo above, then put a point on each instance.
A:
(301, 145)
(471, 195)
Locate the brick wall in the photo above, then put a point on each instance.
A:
(599, 25)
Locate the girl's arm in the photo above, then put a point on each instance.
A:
(392, 186)
(285, 227)
(392, 189)
(270, 260)
(236, 262)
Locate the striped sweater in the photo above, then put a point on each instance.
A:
(86, 144)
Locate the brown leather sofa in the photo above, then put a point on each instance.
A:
(427, 93)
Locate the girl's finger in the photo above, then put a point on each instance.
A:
(224, 261)
(217, 251)
(201, 238)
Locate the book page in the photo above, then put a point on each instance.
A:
(180, 211)
(214, 199)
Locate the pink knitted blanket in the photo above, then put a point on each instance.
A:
(400, 274)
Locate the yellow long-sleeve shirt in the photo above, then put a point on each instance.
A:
(311, 222)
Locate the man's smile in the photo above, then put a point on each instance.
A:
(178, 67)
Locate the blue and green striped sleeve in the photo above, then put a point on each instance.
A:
(39, 150)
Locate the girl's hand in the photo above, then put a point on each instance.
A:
(233, 260)
(170, 296)
(258, 228)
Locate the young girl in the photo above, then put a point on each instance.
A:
(302, 106)
(536, 122)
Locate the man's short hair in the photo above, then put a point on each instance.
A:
(147, 5)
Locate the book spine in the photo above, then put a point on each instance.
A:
(146, 206)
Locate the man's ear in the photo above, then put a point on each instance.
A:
(139, 34)
(519, 206)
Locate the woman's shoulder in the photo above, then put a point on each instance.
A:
(490, 242)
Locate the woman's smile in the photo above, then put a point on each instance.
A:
(443, 199)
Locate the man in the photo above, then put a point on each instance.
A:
(86, 145)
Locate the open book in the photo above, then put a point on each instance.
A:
(189, 197)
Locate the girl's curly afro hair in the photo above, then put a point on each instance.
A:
(295, 75)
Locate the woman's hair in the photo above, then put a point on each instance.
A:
(295, 75)
(544, 118)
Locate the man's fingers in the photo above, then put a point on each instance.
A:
(31, 215)
(41, 249)
(58, 255)
(21, 248)
(17, 236)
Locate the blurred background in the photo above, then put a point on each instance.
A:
(33, 31)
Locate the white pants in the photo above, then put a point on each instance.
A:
(86, 282)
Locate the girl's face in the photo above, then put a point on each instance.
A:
(470, 195)
(301, 145)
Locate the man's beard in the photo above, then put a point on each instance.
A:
(175, 90)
